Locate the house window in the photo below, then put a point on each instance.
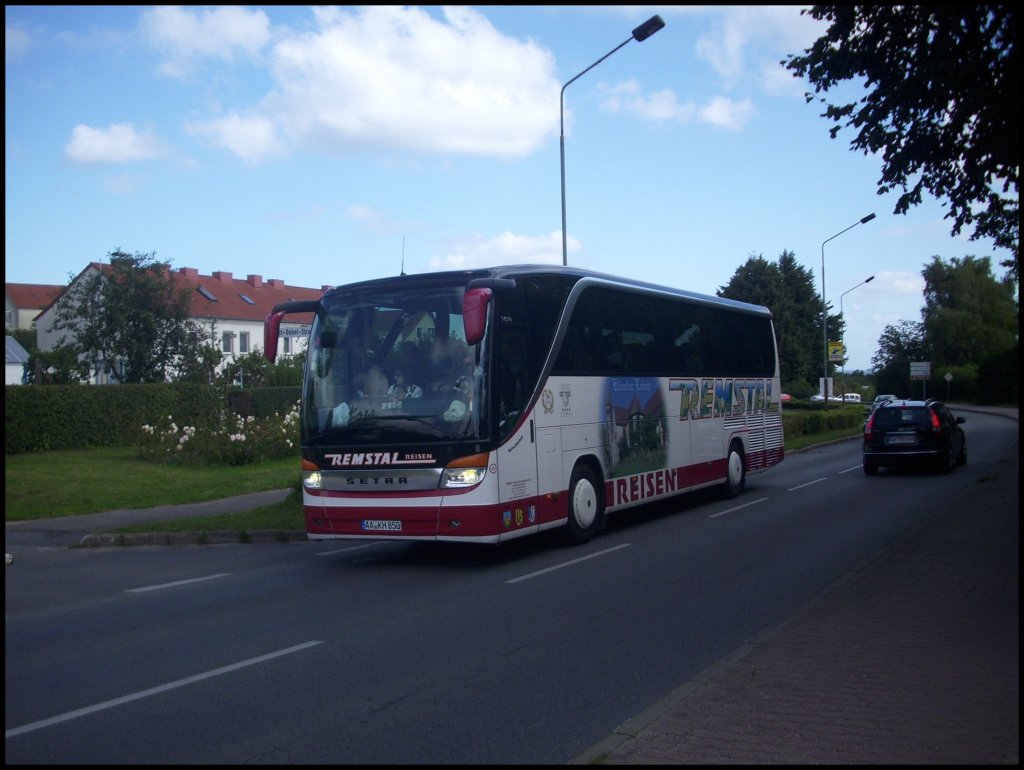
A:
(287, 345)
(227, 342)
(243, 342)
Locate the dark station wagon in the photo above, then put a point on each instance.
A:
(913, 433)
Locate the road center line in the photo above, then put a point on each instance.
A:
(809, 483)
(854, 468)
(175, 583)
(737, 508)
(154, 690)
(568, 563)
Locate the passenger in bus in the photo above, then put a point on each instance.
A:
(401, 389)
(614, 356)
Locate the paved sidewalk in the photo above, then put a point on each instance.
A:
(913, 658)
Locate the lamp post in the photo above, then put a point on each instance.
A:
(824, 307)
(869, 279)
(640, 34)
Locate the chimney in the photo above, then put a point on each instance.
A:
(277, 283)
(221, 276)
(256, 281)
(189, 272)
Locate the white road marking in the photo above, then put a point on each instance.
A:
(154, 691)
(568, 563)
(175, 583)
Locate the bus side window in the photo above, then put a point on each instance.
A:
(689, 361)
(511, 376)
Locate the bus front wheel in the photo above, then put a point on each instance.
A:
(735, 471)
(585, 507)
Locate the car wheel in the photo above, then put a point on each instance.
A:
(735, 471)
(961, 459)
(948, 461)
(586, 508)
(870, 468)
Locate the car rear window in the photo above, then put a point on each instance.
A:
(904, 417)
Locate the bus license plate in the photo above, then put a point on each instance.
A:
(377, 525)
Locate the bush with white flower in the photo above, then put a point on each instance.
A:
(238, 441)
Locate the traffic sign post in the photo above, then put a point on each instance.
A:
(921, 370)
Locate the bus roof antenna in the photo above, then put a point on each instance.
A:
(403, 255)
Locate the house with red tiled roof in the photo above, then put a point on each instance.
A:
(232, 309)
(24, 301)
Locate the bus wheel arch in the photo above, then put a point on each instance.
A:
(735, 469)
(585, 504)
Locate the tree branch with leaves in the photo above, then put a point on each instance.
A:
(941, 109)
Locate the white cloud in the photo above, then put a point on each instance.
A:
(897, 284)
(16, 43)
(663, 105)
(659, 106)
(117, 143)
(399, 79)
(726, 113)
(504, 249)
(186, 35)
(252, 139)
(755, 32)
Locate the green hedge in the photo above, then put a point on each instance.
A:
(43, 417)
(816, 419)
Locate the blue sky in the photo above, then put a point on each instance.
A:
(327, 145)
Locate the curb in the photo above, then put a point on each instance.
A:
(219, 537)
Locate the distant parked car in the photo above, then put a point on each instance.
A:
(786, 397)
(817, 398)
(913, 433)
(879, 400)
(851, 398)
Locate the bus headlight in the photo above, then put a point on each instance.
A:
(312, 480)
(311, 477)
(464, 472)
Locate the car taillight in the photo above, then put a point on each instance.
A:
(936, 425)
(869, 423)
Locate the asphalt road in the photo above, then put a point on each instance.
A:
(417, 653)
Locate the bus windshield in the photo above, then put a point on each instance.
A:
(393, 365)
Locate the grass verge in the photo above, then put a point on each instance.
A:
(62, 483)
(66, 482)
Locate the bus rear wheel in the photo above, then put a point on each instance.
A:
(735, 471)
(586, 508)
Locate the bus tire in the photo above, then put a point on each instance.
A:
(586, 507)
(735, 471)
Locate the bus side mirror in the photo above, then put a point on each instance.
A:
(474, 314)
(271, 330)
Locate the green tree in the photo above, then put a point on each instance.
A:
(286, 370)
(247, 371)
(59, 366)
(132, 317)
(787, 289)
(899, 345)
(26, 338)
(942, 107)
(969, 316)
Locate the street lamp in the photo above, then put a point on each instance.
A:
(824, 307)
(640, 34)
(869, 279)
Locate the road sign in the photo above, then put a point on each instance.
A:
(920, 370)
(836, 352)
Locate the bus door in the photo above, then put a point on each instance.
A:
(518, 449)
